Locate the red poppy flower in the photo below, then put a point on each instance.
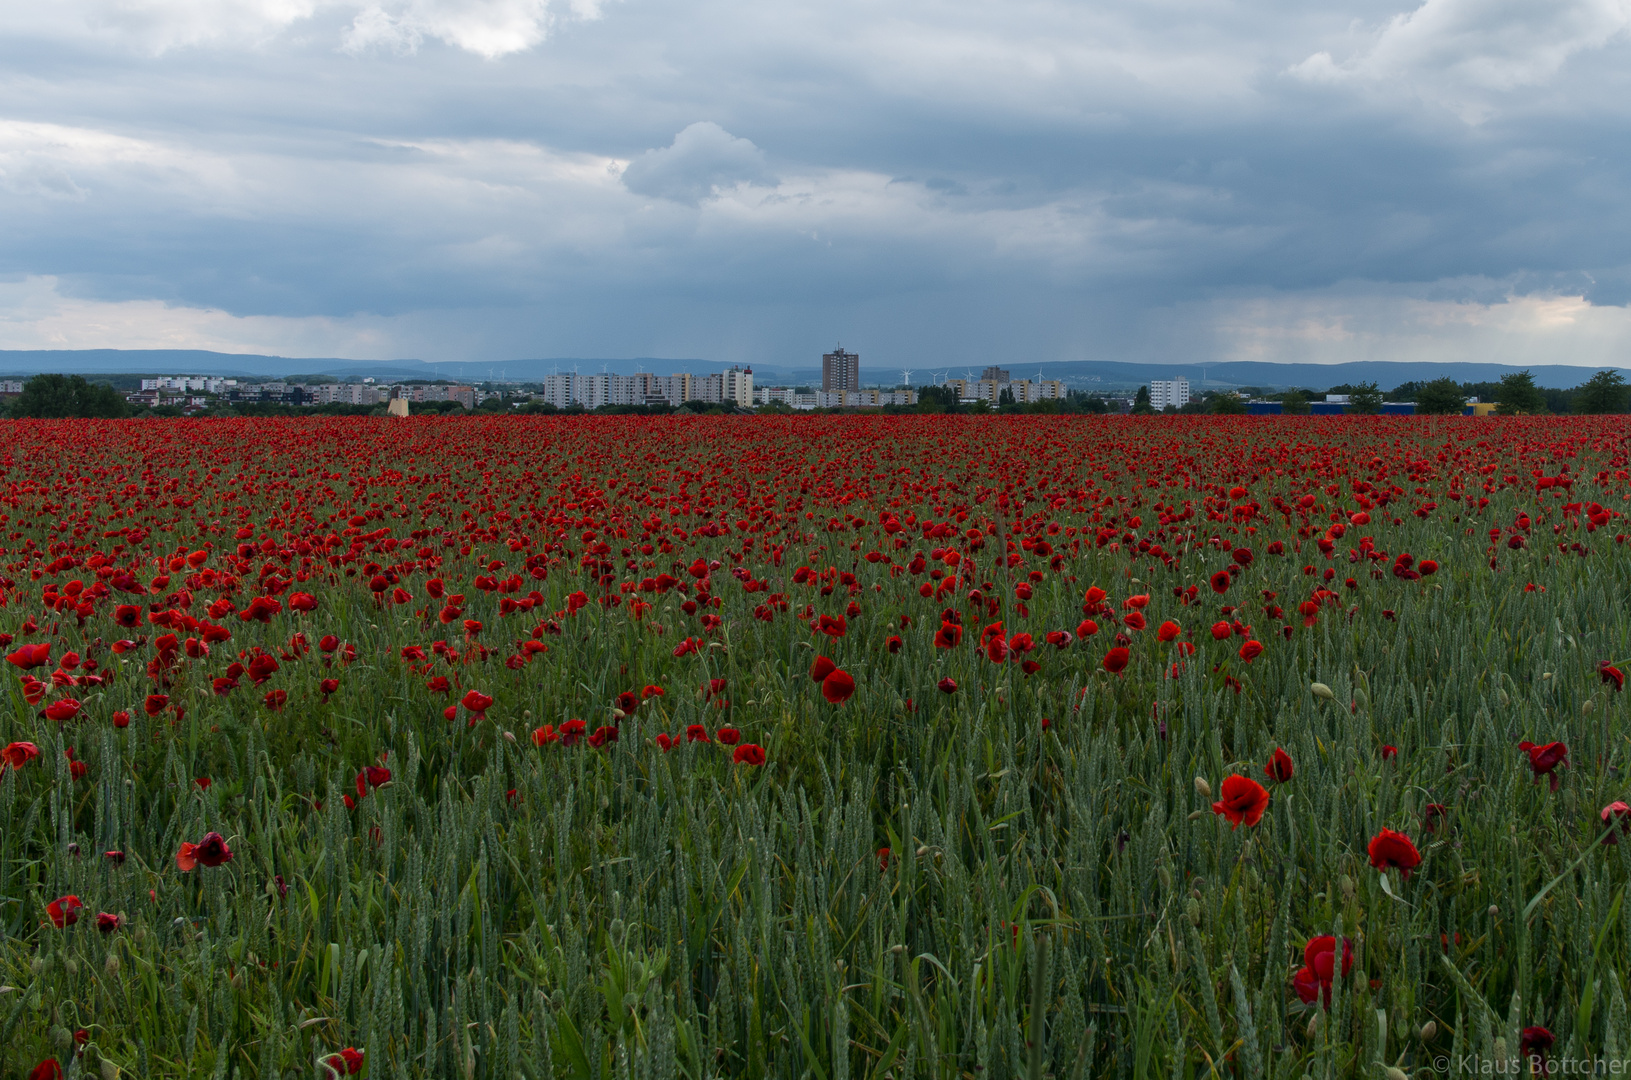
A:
(837, 687)
(1535, 1041)
(1134, 620)
(276, 699)
(1251, 650)
(18, 754)
(477, 702)
(1307, 985)
(46, 1070)
(1315, 977)
(749, 754)
(651, 692)
(1543, 759)
(31, 656)
(543, 736)
(62, 710)
(64, 911)
(1220, 582)
(696, 733)
(949, 636)
(1616, 817)
(1086, 628)
(1389, 849)
(821, 668)
(1168, 631)
(572, 731)
(117, 858)
(1279, 767)
(1611, 674)
(1221, 631)
(1389, 752)
(1243, 801)
(1115, 661)
(107, 922)
(347, 1062)
(301, 601)
(602, 735)
(371, 777)
(948, 685)
(211, 851)
(728, 735)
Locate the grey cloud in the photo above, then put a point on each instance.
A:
(1069, 174)
(701, 160)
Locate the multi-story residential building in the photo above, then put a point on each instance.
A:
(1169, 392)
(738, 386)
(840, 370)
(996, 374)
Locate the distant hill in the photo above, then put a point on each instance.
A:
(15, 362)
(1085, 375)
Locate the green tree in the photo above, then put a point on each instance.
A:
(1223, 403)
(937, 399)
(1294, 403)
(1005, 396)
(1441, 397)
(1604, 392)
(1519, 396)
(1365, 399)
(55, 396)
(1141, 402)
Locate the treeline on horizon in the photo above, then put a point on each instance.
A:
(56, 396)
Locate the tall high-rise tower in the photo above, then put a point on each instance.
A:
(840, 370)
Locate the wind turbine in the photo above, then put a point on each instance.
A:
(906, 375)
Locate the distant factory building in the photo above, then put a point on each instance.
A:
(840, 371)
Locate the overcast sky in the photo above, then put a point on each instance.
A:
(926, 181)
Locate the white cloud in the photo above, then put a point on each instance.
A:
(488, 28)
(36, 314)
(703, 160)
(1463, 54)
(1344, 325)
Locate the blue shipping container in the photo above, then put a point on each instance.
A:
(1398, 408)
(1263, 408)
(1327, 408)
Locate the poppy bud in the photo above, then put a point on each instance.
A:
(1199, 814)
(1321, 691)
(1165, 876)
(1494, 910)
(1192, 909)
(1202, 788)
(1396, 1074)
(1347, 885)
(1428, 1030)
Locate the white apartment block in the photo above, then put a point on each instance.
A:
(738, 386)
(186, 383)
(1169, 392)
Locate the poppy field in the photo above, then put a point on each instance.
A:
(626, 748)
